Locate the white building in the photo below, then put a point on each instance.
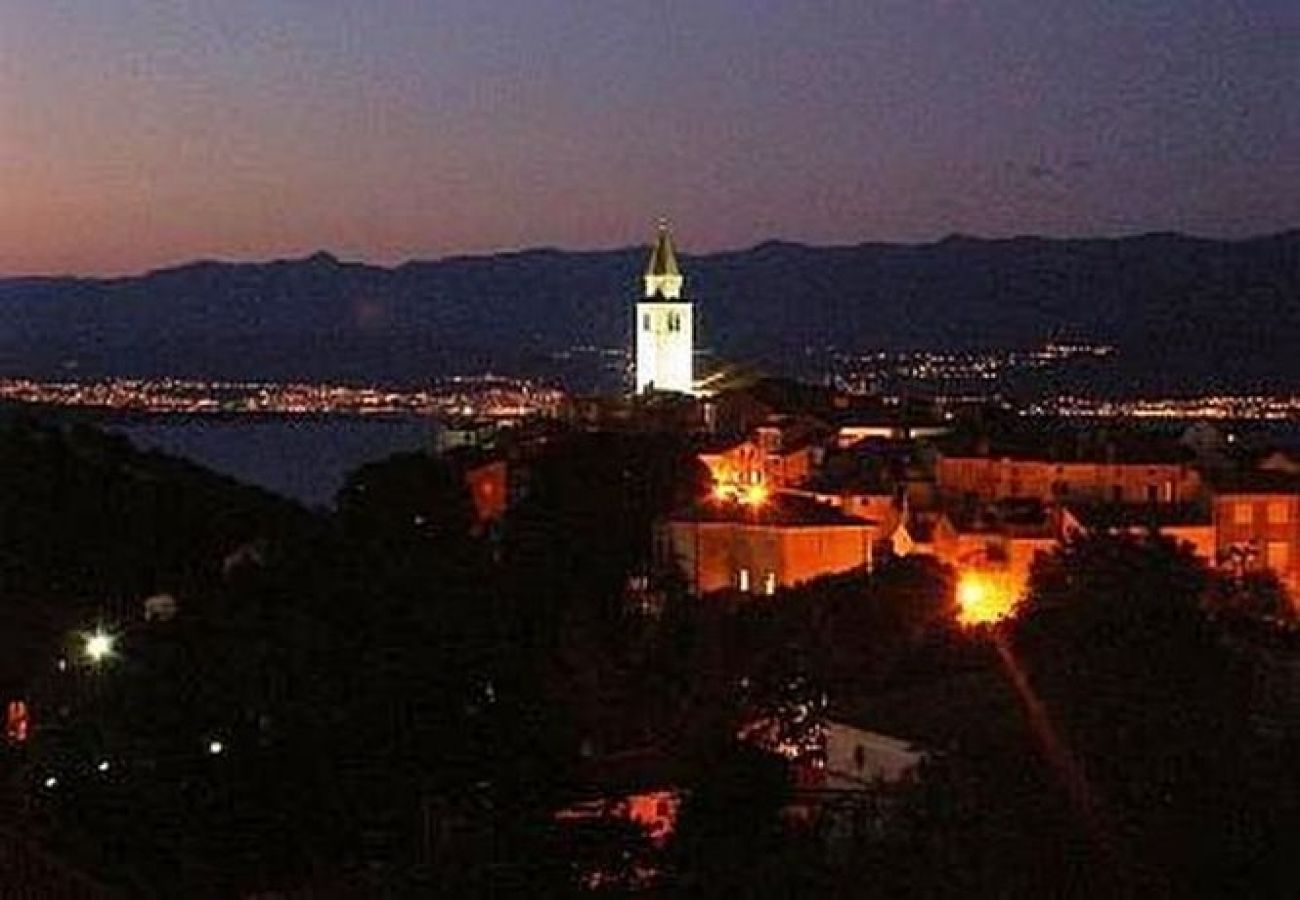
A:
(665, 340)
(857, 758)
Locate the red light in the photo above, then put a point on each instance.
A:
(17, 722)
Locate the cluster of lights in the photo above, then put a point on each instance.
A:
(98, 647)
(213, 747)
(862, 371)
(484, 396)
(1210, 406)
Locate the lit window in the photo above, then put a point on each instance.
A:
(742, 579)
(1277, 555)
(769, 583)
(1278, 513)
(1243, 514)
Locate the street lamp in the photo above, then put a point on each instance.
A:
(983, 598)
(99, 646)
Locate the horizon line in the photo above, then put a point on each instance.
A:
(485, 254)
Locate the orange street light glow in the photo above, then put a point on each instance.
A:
(983, 598)
(744, 494)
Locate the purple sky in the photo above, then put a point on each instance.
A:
(136, 133)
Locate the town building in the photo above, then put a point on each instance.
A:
(1257, 524)
(783, 452)
(858, 758)
(1100, 468)
(1188, 524)
(759, 547)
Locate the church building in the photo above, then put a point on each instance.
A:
(665, 340)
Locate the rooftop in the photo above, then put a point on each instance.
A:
(1065, 444)
(663, 259)
(1256, 481)
(1014, 517)
(1137, 515)
(778, 509)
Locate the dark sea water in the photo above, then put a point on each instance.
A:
(307, 459)
(302, 458)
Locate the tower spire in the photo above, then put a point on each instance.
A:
(662, 277)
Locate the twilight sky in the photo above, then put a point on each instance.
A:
(137, 133)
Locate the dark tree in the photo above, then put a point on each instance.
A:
(409, 498)
(1155, 705)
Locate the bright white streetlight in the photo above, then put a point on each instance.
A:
(216, 748)
(99, 646)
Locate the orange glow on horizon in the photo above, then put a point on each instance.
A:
(984, 598)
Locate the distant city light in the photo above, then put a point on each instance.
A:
(51, 783)
(486, 396)
(103, 765)
(99, 646)
(216, 747)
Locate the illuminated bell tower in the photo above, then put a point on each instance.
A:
(664, 330)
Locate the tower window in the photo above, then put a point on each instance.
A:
(674, 321)
(645, 322)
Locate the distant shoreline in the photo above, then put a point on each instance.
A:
(96, 414)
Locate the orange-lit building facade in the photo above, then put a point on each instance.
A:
(759, 552)
(1257, 525)
(774, 456)
(999, 550)
(988, 479)
(1191, 525)
(740, 463)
